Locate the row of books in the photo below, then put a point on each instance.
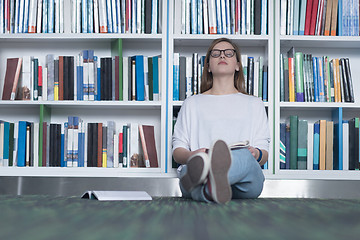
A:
(83, 77)
(77, 144)
(320, 17)
(322, 145)
(304, 78)
(187, 75)
(80, 16)
(221, 17)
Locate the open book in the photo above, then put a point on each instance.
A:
(116, 195)
(238, 145)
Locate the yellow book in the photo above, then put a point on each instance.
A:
(335, 79)
(338, 82)
(291, 80)
(56, 91)
(104, 158)
(322, 149)
(329, 145)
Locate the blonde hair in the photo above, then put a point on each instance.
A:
(207, 78)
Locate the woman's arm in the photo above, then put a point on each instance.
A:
(181, 155)
(256, 153)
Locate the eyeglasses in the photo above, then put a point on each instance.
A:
(229, 53)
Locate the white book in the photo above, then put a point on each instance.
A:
(223, 17)
(206, 17)
(78, 16)
(117, 195)
(25, 80)
(200, 17)
(73, 16)
(160, 16)
(123, 12)
(212, 17)
(16, 137)
(114, 17)
(17, 7)
(227, 14)
(310, 146)
(154, 17)
(180, 17)
(26, 16)
(146, 78)
(256, 78)
(243, 17)
(102, 16)
(91, 77)
(138, 16)
(57, 16)
(345, 146)
(125, 79)
(118, 13)
(61, 17)
(44, 86)
(96, 16)
(188, 76)
(21, 16)
(27, 150)
(90, 14)
(111, 130)
(283, 18)
(116, 150)
(86, 80)
(187, 16)
(109, 16)
(133, 16)
(134, 140)
(39, 15)
(248, 18)
(2, 16)
(264, 11)
(85, 131)
(128, 147)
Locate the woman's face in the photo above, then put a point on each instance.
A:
(223, 62)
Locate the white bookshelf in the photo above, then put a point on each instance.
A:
(122, 112)
(251, 45)
(334, 47)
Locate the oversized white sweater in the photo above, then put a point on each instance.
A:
(235, 117)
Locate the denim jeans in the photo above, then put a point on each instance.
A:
(245, 177)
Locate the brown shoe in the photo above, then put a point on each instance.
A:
(220, 161)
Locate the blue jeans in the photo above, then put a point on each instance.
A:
(245, 177)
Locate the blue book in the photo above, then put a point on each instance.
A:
(81, 146)
(340, 19)
(218, 16)
(66, 140)
(316, 145)
(6, 143)
(194, 20)
(26, 16)
(85, 55)
(287, 146)
(265, 84)
(51, 16)
(282, 145)
(45, 17)
(315, 77)
(296, 10)
(302, 17)
(200, 17)
(90, 14)
(62, 148)
(79, 80)
(321, 85)
(84, 16)
(139, 76)
(22, 143)
(176, 77)
(156, 78)
(337, 115)
(98, 80)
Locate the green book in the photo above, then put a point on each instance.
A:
(302, 144)
(150, 79)
(260, 76)
(299, 77)
(293, 141)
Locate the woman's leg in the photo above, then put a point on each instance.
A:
(245, 175)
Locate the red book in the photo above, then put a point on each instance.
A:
(13, 67)
(128, 16)
(313, 17)
(237, 16)
(147, 137)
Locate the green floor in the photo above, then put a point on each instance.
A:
(44, 217)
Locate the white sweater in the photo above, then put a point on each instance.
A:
(203, 119)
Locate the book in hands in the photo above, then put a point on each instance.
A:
(239, 145)
(117, 195)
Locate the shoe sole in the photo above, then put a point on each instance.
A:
(195, 173)
(219, 168)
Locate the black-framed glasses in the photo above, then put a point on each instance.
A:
(229, 53)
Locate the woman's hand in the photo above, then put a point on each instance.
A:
(254, 152)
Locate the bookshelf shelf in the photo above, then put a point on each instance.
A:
(76, 36)
(317, 174)
(306, 105)
(205, 40)
(320, 41)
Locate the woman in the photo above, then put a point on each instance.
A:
(221, 115)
